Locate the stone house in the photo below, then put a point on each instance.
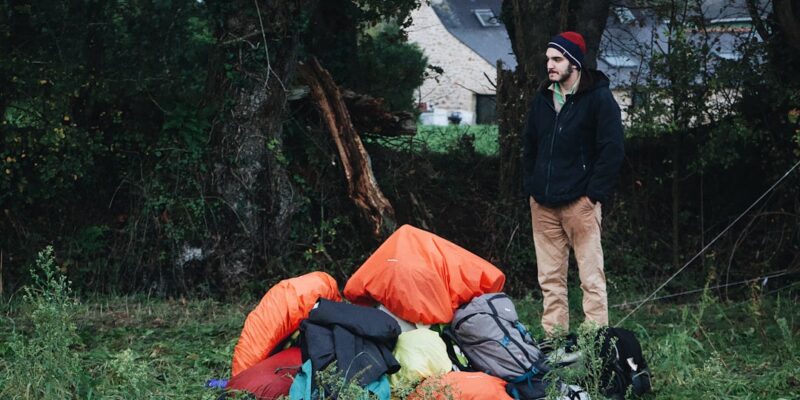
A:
(465, 39)
(634, 35)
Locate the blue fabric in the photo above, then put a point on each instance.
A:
(379, 388)
(217, 383)
(530, 385)
(526, 376)
(301, 387)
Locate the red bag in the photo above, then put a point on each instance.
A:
(278, 315)
(421, 277)
(270, 378)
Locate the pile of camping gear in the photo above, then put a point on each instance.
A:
(382, 338)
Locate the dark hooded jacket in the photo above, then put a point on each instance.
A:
(576, 152)
(359, 339)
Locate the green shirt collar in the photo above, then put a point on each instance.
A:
(556, 88)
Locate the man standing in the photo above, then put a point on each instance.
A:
(572, 153)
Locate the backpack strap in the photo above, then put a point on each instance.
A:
(517, 325)
(530, 385)
(529, 374)
(526, 335)
(450, 341)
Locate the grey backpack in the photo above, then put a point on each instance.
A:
(489, 333)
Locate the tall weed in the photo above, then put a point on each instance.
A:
(126, 377)
(785, 329)
(587, 372)
(42, 364)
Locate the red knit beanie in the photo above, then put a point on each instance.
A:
(572, 45)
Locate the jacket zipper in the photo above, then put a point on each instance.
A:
(556, 129)
(583, 159)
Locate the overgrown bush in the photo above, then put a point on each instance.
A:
(41, 362)
(390, 67)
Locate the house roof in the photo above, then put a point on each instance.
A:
(627, 43)
(632, 33)
(459, 17)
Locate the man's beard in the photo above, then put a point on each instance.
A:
(567, 74)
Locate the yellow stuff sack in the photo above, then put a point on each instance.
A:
(421, 354)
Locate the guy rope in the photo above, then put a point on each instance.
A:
(703, 250)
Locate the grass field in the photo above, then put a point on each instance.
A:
(482, 139)
(145, 348)
(137, 348)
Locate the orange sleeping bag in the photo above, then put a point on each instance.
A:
(421, 277)
(462, 386)
(279, 314)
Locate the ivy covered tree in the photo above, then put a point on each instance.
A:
(153, 133)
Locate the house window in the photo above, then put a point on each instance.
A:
(620, 60)
(639, 98)
(485, 109)
(727, 54)
(624, 15)
(487, 17)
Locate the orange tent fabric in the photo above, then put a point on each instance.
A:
(462, 386)
(421, 277)
(279, 314)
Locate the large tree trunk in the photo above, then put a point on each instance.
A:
(787, 14)
(257, 42)
(676, 196)
(530, 26)
(510, 116)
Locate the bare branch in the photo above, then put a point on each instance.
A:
(757, 21)
(494, 84)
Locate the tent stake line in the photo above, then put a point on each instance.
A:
(703, 250)
(764, 277)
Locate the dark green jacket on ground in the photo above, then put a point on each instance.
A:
(576, 152)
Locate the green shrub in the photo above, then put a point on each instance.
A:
(42, 364)
(585, 373)
(126, 377)
(333, 379)
(389, 67)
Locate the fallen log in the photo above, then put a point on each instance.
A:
(362, 188)
(369, 116)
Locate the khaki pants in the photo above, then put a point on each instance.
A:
(555, 230)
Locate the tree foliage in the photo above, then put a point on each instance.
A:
(166, 146)
(113, 143)
(103, 129)
(698, 105)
